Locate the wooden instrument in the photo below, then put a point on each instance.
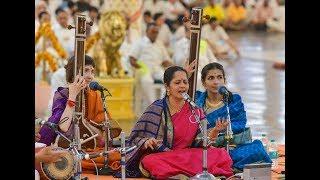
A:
(62, 169)
(84, 137)
(195, 36)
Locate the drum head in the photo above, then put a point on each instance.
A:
(63, 169)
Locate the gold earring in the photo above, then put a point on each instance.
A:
(168, 93)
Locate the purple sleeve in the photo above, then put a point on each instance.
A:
(47, 135)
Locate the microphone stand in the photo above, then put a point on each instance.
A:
(105, 170)
(59, 133)
(123, 151)
(204, 175)
(76, 149)
(123, 157)
(229, 133)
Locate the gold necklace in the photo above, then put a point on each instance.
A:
(174, 111)
(211, 105)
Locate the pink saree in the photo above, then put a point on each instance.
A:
(182, 159)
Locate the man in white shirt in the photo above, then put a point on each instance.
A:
(218, 40)
(154, 6)
(182, 50)
(277, 23)
(93, 14)
(64, 35)
(150, 57)
(147, 18)
(172, 10)
(41, 6)
(164, 32)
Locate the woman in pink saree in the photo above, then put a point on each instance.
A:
(168, 139)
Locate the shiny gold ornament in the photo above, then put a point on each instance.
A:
(112, 31)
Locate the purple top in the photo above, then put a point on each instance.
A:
(59, 104)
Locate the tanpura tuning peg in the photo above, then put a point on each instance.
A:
(70, 26)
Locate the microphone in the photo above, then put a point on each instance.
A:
(223, 90)
(186, 97)
(96, 86)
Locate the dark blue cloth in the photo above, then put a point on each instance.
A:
(237, 113)
(249, 153)
(245, 153)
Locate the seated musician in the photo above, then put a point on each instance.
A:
(64, 103)
(168, 139)
(246, 152)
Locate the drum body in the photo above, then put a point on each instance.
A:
(62, 169)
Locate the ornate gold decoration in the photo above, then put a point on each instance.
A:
(112, 31)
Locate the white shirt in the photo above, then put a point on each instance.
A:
(169, 7)
(154, 8)
(278, 24)
(164, 35)
(272, 3)
(131, 36)
(152, 54)
(36, 25)
(181, 53)
(180, 33)
(143, 28)
(58, 79)
(216, 37)
(65, 38)
(95, 3)
(94, 28)
(202, 4)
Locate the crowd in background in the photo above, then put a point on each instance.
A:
(172, 34)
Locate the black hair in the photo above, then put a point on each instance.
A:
(59, 10)
(147, 13)
(70, 4)
(211, 66)
(93, 8)
(157, 16)
(42, 14)
(169, 72)
(70, 67)
(212, 19)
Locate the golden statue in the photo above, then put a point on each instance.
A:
(111, 34)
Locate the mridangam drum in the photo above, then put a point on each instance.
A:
(37, 147)
(62, 169)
